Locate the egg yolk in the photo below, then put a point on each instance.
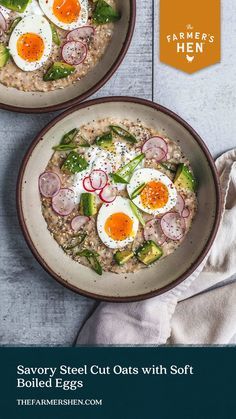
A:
(30, 47)
(154, 195)
(66, 11)
(119, 226)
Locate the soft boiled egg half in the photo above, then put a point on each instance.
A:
(31, 42)
(159, 194)
(66, 14)
(116, 224)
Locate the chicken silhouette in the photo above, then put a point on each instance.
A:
(189, 59)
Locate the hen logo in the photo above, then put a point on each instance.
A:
(190, 46)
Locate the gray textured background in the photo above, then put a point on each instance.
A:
(34, 309)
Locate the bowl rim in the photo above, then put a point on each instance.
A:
(201, 144)
(97, 86)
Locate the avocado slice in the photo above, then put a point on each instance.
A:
(123, 133)
(58, 71)
(74, 163)
(184, 178)
(137, 213)
(121, 257)
(149, 252)
(104, 13)
(88, 204)
(15, 5)
(4, 55)
(105, 141)
(55, 36)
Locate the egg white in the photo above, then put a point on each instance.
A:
(147, 175)
(101, 159)
(32, 9)
(5, 12)
(119, 205)
(47, 7)
(31, 24)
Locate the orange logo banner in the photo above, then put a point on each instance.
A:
(190, 33)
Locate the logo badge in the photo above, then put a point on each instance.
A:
(190, 33)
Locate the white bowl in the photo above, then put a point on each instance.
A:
(34, 102)
(148, 282)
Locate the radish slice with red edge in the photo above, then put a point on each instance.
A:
(78, 222)
(108, 194)
(155, 142)
(180, 204)
(87, 184)
(173, 226)
(3, 23)
(153, 231)
(49, 184)
(81, 34)
(98, 179)
(64, 202)
(185, 213)
(155, 153)
(74, 52)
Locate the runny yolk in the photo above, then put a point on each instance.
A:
(66, 11)
(119, 226)
(154, 195)
(30, 47)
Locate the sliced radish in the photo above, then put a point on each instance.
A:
(64, 202)
(153, 231)
(98, 179)
(87, 184)
(78, 222)
(155, 142)
(3, 23)
(81, 34)
(180, 204)
(74, 52)
(173, 225)
(108, 194)
(49, 184)
(156, 153)
(186, 212)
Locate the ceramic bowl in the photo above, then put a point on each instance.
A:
(33, 102)
(148, 282)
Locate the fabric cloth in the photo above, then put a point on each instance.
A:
(204, 318)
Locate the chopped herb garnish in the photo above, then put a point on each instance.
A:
(13, 25)
(55, 36)
(137, 213)
(92, 258)
(138, 190)
(65, 147)
(169, 166)
(123, 133)
(69, 136)
(76, 241)
(125, 173)
(117, 179)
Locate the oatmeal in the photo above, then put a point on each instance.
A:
(38, 52)
(117, 196)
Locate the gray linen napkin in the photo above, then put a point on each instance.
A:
(199, 319)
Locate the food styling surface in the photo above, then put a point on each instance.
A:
(140, 187)
(35, 309)
(38, 51)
